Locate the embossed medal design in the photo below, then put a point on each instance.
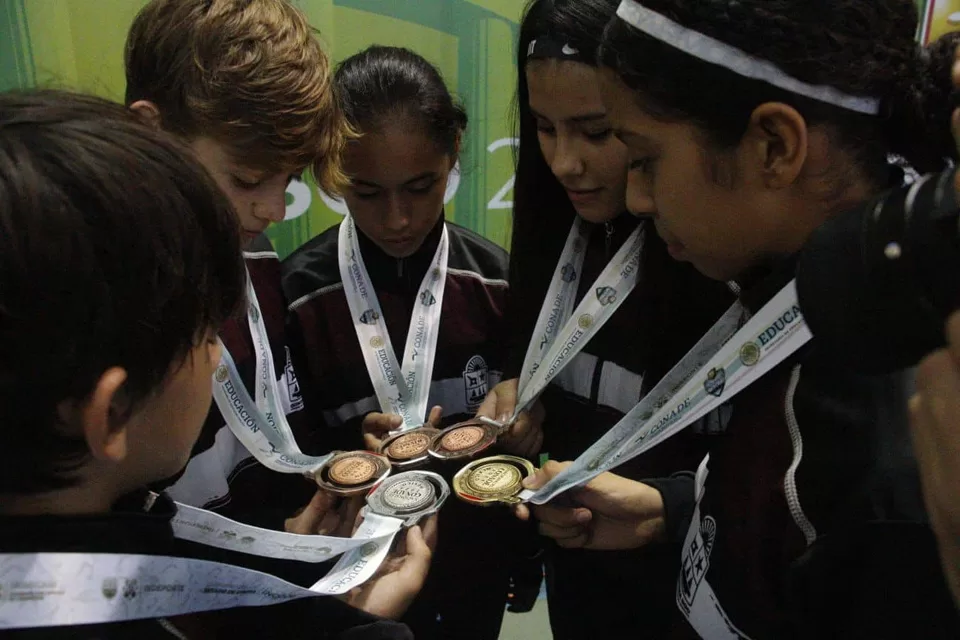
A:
(352, 472)
(410, 496)
(464, 440)
(409, 448)
(492, 480)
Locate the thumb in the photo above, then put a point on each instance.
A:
(308, 521)
(488, 408)
(417, 560)
(435, 417)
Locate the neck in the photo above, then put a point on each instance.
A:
(86, 498)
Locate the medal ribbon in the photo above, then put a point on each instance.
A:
(401, 390)
(559, 334)
(722, 364)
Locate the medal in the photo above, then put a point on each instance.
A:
(492, 480)
(465, 439)
(409, 496)
(407, 449)
(352, 472)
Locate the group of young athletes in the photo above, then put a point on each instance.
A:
(166, 381)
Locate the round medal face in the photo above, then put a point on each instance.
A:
(352, 470)
(409, 445)
(495, 478)
(462, 438)
(491, 480)
(408, 493)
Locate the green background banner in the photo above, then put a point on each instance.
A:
(78, 44)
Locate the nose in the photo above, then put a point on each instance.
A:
(639, 195)
(273, 205)
(567, 162)
(396, 217)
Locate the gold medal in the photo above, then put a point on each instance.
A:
(492, 480)
(352, 472)
(409, 448)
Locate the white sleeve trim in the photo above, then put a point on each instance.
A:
(790, 479)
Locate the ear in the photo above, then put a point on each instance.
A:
(148, 112)
(456, 151)
(104, 424)
(776, 137)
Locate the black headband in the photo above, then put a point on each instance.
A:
(546, 47)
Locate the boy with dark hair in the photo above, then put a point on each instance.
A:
(119, 262)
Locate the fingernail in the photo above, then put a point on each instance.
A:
(584, 516)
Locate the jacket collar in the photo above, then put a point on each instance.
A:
(399, 274)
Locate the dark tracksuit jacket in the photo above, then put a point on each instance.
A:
(466, 591)
(669, 310)
(811, 522)
(222, 475)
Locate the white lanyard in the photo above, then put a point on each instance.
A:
(721, 367)
(560, 334)
(401, 390)
(260, 425)
(54, 589)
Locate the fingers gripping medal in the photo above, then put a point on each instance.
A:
(492, 480)
(409, 449)
(352, 472)
(409, 496)
(465, 439)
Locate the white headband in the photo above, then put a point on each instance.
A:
(715, 52)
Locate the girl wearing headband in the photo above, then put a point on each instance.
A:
(571, 169)
(747, 124)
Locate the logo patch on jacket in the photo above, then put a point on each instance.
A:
(475, 381)
(696, 561)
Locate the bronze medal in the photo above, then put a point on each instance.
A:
(408, 448)
(464, 440)
(352, 472)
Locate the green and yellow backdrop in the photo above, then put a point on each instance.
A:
(78, 44)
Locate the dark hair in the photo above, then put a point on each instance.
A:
(672, 294)
(116, 249)
(384, 84)
(540, 204)
(861, 47)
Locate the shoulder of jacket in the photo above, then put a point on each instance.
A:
(312, 269)
(473, 255)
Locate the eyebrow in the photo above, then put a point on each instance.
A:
(636, 138)
(582, 118)
(417, 178)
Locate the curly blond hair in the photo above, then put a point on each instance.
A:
(249, 73)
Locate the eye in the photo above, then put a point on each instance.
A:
(421, 187)
(598, 136)
(545, 128)
(643, 165)
(366, 195)
(245, 184)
